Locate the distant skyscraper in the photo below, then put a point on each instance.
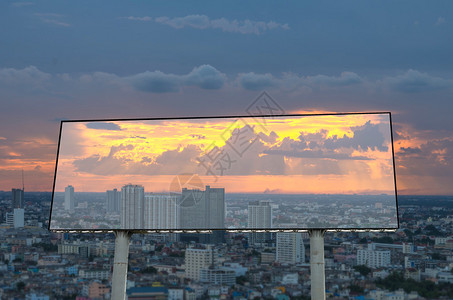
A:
(18, 198)
(161, 211)
(290, 247)
(69, 198)
(259, 216)
(132, 207)
(202, 209)
(113, 201)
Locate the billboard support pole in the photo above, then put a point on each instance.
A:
(317, 270)
(120, 263)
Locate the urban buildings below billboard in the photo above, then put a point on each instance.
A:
(290, 248)
(218, 276)
(373, 258)
(197, 259)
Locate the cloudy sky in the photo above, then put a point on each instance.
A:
(94, 60)
(312, 154)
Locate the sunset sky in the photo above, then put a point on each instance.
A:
(303, 154)
(63, 60)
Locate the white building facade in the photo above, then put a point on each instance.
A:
(373, 258)
(290, 248)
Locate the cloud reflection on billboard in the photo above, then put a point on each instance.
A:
(238, 173)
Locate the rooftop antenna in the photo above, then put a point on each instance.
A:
(23, 185)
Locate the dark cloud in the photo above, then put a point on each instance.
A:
(409, 150)
(204, 77)
(269, 139)
(103, 126)
(115, 149)
(324, 154)
(169, 162)
(432, 157)
(264, 155)
(414, 81)
(318, 146)
(345, 79)
(274, 191)
(156, 82)
(29, 78)
(256, 82)
(243, 154)
(367, 136)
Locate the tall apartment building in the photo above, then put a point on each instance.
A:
(113, 203)
(69, 198)
(161, 211)
(198, 259)
(290, 248)
(259, 216)
(132, 207)
(202, 209)
(373, 258)
(17, 198)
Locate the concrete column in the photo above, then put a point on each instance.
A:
(317, 270)
(120, 263)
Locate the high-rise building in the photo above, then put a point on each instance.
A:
(17, 198)
(69, 198)
(259, 216)
(197, 259)
(290, 247)
(202, 209)
(132, 207)
(161, 211)
(113, 203)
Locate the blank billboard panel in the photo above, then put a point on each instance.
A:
(285, 172)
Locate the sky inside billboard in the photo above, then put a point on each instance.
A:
(286, 172)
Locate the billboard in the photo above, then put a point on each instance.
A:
(238, 173)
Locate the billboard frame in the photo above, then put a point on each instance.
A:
(239, 230)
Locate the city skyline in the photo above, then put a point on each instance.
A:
(212, 209)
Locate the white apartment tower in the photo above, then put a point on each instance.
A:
(290, 248)
(69, 198)
(161, 211)
(132, 207)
